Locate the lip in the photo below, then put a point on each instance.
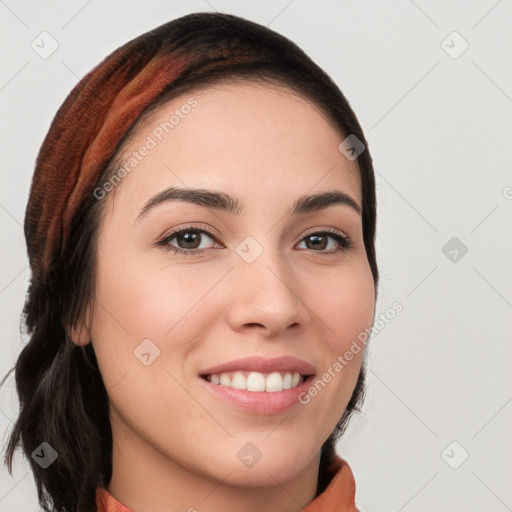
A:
(262, 403)
(263, 365)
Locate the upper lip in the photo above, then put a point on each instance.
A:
(263, 365)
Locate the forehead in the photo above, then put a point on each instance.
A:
(263, 136)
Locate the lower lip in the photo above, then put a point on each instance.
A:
(260, 402)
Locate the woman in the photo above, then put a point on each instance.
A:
(200, 230)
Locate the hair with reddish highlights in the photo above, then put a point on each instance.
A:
(63, 400)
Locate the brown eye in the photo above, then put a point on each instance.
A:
(318, 242)
(188, 241)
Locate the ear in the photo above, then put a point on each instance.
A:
(79, 335)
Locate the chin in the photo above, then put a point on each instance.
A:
(260, 463)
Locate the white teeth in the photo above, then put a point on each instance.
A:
(238, 381)
(256, 381)
(225, 380)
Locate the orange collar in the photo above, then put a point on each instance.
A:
(339, 495)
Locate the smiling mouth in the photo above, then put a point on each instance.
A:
(257, 381)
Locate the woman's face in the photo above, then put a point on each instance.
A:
(262, 281)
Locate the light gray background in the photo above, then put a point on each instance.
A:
(440, 133)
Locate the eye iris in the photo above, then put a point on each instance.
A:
(316, 238)
(190, 238)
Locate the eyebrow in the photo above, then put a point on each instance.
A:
(224, 202)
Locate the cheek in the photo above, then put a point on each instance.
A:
(343, 301)
(169, 303)
(163, 304)
(343, 304)
(140, 304)
(347, 312)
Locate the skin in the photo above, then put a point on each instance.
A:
(175, 445)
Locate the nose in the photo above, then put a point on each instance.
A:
(265, 295)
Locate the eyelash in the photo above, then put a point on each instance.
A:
(342, 240)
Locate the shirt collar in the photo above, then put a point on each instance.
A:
(339, 495)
